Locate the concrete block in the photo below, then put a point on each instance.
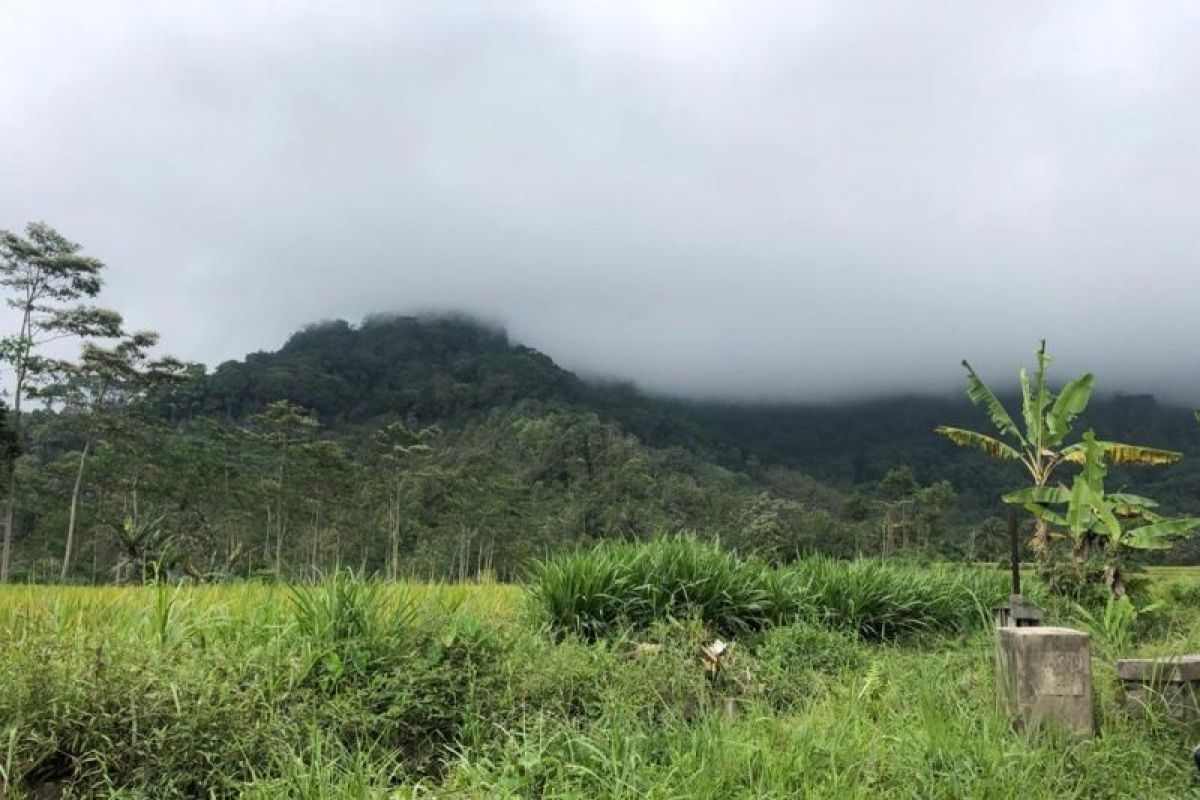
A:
(1017, 614)
(1044, 677)
(1168, 684)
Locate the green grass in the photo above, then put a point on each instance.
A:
(615, 585)
(358, 689)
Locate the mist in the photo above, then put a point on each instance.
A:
(800, 201)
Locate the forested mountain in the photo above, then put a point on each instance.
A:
(432, 368)
(445, 368)
(427, 446)
(439, 368)
(857, 443)
(435, 446)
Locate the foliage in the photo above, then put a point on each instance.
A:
(1115, 627)
(230, 692)
(1100, 524)
(885, 600)
(1048, 418)
(594, 592)
(48, 282)
(529, 461)
(616, 585)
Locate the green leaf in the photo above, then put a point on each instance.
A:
(1042, 512)
(1158, 536)
(1079, 518)
(980, 441)
(983, 397)
(1033, 417)
(1038, 494)
(1107, 518)
(1093, 463)
(1042, 397)
(1070, 403)
(1132, 500)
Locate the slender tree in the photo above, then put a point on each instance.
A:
(398, 446)
(287, 430)
(100, 388)
(47, 279)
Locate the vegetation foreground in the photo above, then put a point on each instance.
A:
(586, 683)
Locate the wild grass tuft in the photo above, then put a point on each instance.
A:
(623, 584)
(596, 592)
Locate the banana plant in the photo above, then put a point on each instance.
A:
(1040, 446)
(1099, 522)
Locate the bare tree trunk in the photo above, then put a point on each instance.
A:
(279, 553)
(279, 520)
(395, 568)
(316, 536)
(5, 556)
(95, 557)
(267, 537)
(66, 562)
(10, 506)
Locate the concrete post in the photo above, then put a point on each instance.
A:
(1044, 677)
(1170, 684)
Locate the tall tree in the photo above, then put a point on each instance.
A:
(100, 388)
(288, 431)
(47, 279)
(397, 448)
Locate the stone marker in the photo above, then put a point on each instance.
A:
(1172, 684)
(1044, 677)
(1017, 614)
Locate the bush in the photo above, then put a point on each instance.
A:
(794, 660)
(389, 672)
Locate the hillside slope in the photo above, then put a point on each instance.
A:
(448, 368)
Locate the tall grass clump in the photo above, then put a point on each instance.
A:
(594, 592)
(881, 600)
(623, 584)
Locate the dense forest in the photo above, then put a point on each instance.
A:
(435, 446)
(410, 446)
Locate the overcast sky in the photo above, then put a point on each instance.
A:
(796, 199)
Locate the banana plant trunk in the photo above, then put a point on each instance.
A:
(1041, 537)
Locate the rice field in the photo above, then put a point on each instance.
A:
(357, 689)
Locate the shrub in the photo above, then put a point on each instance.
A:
(794, 660)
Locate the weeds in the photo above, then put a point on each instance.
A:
(353, 688)
(593, 593)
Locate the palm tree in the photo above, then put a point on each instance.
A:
(1041, 447)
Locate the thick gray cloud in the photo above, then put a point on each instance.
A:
(802, 199)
